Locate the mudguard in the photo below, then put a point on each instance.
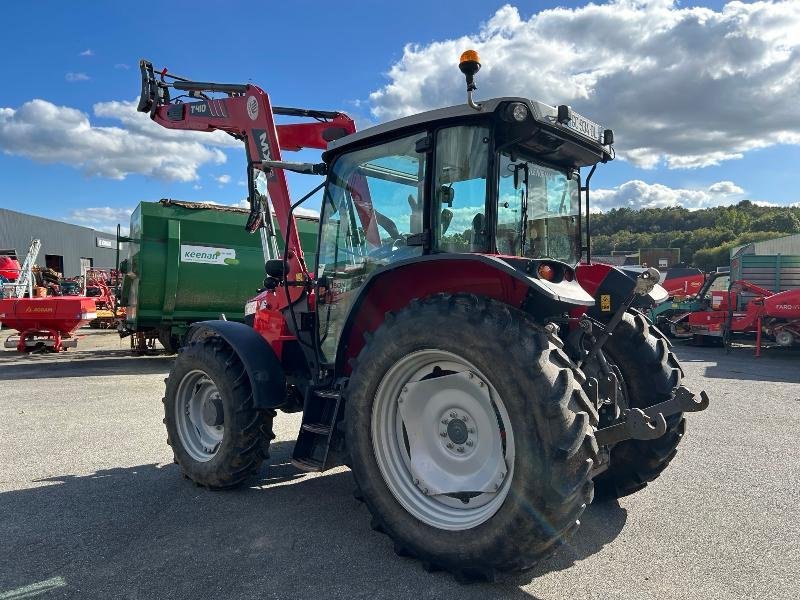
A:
(483, 275)
(267, 379)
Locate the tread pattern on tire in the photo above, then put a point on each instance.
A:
(560, 421)
(241, 454)
(651, 372)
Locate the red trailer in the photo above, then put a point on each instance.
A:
(46, 322)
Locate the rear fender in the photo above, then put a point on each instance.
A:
(267, 379)
(395, 286)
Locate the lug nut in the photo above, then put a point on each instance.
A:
(470, 443)
(416, 482)
(460, 448)
(444, 421)
(453, 415)
(450, 445)
(425, 491)
(465, 418)
(443, 434)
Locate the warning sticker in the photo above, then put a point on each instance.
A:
(605, 302)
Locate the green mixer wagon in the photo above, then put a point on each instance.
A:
(188, 262)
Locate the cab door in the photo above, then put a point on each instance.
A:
(372, 208)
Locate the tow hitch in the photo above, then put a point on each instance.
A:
(650, 423)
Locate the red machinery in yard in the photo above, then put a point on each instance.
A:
(45, 323)
(445, 347)
(775, 313)
(100, 285)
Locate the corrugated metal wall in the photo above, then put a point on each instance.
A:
(61, 239)
(789, 244)
(776, 272)
(783, 245)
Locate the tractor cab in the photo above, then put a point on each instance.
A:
(504, 180)
(500, 180)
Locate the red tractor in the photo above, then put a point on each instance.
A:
(446, 348)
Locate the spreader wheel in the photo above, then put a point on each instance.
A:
(470, 437)
(219, 439)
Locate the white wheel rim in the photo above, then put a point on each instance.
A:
(198, 416)
(454, 469)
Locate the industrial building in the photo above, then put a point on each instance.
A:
(65, 248)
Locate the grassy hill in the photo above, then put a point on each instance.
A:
(704, 236)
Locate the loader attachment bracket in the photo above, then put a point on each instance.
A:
(153, 94)
(650, 423)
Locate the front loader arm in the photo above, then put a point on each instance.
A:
(247, 114)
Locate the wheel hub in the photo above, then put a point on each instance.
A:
(784, 338)
(457, 431)
(449, 458)
(212, 411)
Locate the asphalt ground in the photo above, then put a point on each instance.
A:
(91, 505)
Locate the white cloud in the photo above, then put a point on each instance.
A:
(122, 66)
(637, 194)
(102, 218)
(223, 179)
(690, 87)
(87, 52)
(197, 187)
(48, 133)
(75, 77)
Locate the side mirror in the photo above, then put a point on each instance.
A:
(446, 218)
(276, 268)
(446, 195)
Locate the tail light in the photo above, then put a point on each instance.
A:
(547, 272)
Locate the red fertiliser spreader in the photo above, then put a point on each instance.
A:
(45, 323)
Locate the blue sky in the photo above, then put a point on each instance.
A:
(306, 54)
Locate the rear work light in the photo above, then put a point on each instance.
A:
(547, 272)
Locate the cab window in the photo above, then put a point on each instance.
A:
(459, 203)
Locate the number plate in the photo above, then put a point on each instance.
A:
(583, 126)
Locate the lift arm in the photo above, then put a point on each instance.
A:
(245, 112)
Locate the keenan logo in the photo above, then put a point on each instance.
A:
(208, 255)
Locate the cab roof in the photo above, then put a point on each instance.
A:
(545, 116)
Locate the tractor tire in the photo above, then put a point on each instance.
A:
(537, 415)
(217, 436)
(169, 340)
(650, 374)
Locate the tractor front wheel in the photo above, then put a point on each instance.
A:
(218, 438)
(470, 436)
(650, 374)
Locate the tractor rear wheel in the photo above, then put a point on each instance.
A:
(470, 436)
(650, 374)
(218, 438)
